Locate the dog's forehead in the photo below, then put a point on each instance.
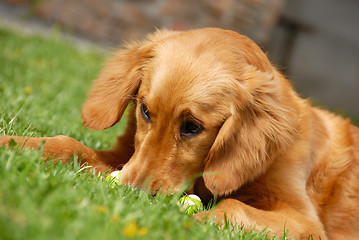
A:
(185, 67)
(188, 74)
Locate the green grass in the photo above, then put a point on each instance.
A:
(43, 84)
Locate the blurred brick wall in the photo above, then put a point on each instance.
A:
(116, 20)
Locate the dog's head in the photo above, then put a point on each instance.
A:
(207, 102)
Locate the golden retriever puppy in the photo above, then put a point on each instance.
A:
(208, 102)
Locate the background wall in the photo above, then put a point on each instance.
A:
(115, 20)
(324, 58)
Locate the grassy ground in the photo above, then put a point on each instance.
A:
(43, 83)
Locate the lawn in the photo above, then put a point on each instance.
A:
(43, 84)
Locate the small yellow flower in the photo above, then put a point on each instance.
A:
(101, 209)
(132, 229)
(28, 90)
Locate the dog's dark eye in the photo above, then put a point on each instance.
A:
(145, 113)
(189, 128)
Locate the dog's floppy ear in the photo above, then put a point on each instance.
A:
(117, 83)
(260, 124)
(112, 90)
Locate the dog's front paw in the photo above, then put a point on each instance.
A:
(211, 216)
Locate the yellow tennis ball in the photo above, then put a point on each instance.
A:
(114, 178)
(190, 204)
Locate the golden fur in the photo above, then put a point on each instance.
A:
(209, 102)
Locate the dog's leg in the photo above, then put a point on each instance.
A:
(58, 147)
(64, 148)
(277, 222)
